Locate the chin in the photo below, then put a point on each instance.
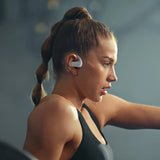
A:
(99, 99)
(96, 99)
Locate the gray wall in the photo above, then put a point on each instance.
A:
(23, 27)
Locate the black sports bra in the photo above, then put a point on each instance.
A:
(90, 148)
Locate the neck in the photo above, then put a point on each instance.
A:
(67, 89)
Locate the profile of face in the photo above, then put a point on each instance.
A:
(98, 71)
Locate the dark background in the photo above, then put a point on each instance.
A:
(24, 24)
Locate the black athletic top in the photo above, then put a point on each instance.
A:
(90, 148)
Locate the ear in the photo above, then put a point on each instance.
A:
(73, 62)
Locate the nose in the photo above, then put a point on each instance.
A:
(112, 76)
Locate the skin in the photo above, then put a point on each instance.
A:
(54, 131)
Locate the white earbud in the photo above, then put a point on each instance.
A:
(78, 63)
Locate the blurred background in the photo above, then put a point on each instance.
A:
(25, 24)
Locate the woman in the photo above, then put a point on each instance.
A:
(67, 124)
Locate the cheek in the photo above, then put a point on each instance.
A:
(96, 70)
(99, 73)
(90, 83)
(86, 79)
(92, 74)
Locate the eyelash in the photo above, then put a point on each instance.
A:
(107, 64)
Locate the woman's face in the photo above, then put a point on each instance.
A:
(98, 71)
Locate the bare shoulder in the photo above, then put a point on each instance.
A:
(106, 109)
(112, 100)
(51, 125)
(54, 107)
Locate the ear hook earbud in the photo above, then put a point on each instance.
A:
(77, 63)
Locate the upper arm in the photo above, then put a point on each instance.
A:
(56, 131)
(51, 129)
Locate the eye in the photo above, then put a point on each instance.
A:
(107, 64)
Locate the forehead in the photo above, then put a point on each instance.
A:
(106, 48)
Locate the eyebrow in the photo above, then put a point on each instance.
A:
(108, 58)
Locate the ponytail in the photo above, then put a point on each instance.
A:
(42, 72)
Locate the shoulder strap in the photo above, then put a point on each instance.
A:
(92, 116)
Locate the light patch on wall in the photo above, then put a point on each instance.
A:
(52, 4)
(41, 27)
